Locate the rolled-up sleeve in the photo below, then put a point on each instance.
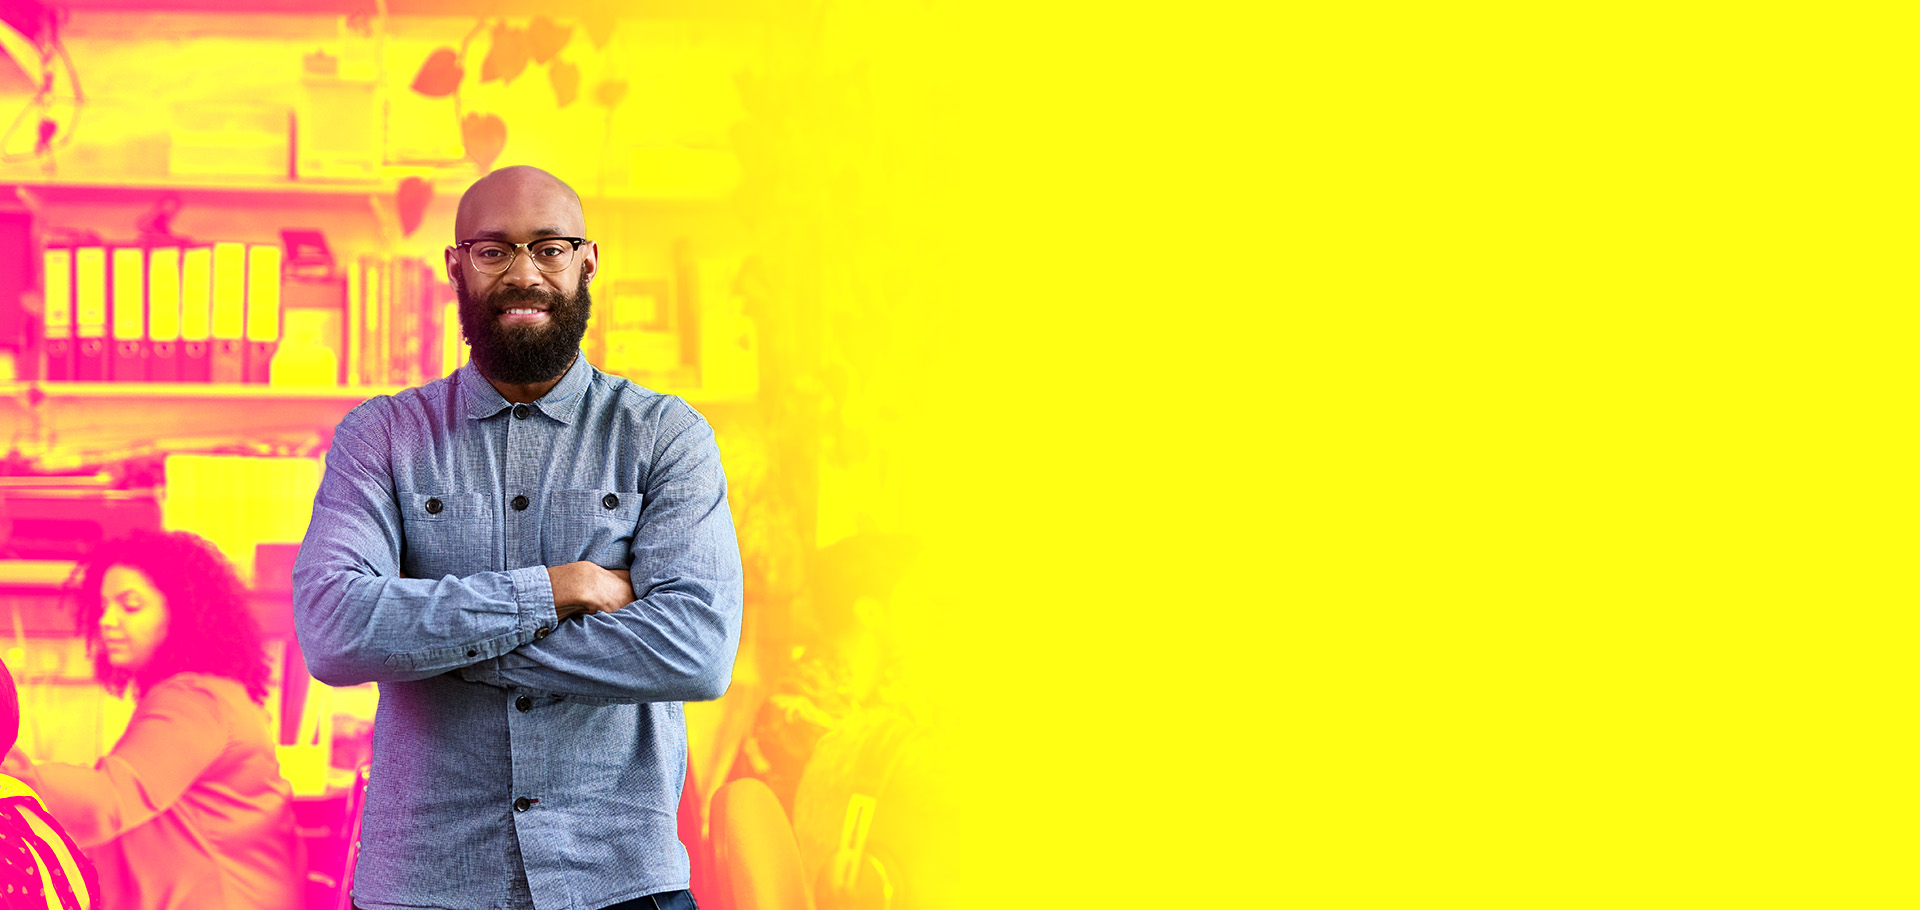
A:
(357, 619)
(677, 640)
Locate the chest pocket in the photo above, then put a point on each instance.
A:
(594, 525)
(447, 534)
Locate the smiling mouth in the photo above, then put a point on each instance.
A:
(523, 314)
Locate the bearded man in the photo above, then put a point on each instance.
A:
(536, 563)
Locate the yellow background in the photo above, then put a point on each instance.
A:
(1398, 456)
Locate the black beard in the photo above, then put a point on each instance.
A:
(523, 355)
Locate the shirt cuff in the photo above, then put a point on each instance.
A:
(533, 591)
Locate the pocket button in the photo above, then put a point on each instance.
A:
(610, 501)
(434, 506)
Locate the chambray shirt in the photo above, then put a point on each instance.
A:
(518, 760)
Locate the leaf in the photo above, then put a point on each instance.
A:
(566, 82)
(610, 92)
(411, 201)
(485, 136)
(440, 75)
(507, 58)
(545, 38)
(599, 22)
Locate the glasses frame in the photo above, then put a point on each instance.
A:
(466, 246)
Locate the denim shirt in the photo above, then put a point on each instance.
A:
(515, 756)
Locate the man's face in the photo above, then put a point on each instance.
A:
(525, 324)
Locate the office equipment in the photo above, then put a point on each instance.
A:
(196, 314)
(229, 354)
(127, 310)
(313, 332)
(57, 280)
(17, 269)
(90, 314)
(263, 310)
(163, 314)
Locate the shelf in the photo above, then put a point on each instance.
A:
(78, 418)
(114, 417)
(189, 391)
(47, 574)
(460, 9)
(257, 191)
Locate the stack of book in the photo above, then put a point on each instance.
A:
(402, 327)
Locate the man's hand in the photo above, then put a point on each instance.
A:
(582, 587)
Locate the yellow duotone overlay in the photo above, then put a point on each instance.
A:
(1234, 457)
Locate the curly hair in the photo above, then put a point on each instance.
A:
(209, 626)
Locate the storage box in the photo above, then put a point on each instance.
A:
(230, 139)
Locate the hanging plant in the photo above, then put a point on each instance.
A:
(512, 50)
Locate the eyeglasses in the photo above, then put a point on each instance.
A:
(549, 254)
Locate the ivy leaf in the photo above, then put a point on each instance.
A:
(411, 202)
(610, 92)
(440, 75)
(485, 136)
(508, 56)
(566, 82)
(545, 38)
(600, 21)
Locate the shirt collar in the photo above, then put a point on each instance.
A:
(483, 400)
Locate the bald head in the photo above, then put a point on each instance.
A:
(519, 190)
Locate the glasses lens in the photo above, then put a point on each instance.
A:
(551, 255)
(491, 256)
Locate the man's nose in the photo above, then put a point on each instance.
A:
(522, 273)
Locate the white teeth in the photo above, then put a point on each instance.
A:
(523, 312)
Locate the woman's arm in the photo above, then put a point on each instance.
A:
(177, 732)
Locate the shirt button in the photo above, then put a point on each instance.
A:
(540, 633)
(520, 411)
(522, 804)
(610, 501)
(524, 703)
(433, 507)
(520, 503)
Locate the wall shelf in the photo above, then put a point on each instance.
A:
(94, 417)
(268, 193)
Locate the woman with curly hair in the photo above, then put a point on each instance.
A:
(189, 809)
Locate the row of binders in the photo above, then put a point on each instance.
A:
(162, 313)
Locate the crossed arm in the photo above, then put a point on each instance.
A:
(665, 629)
